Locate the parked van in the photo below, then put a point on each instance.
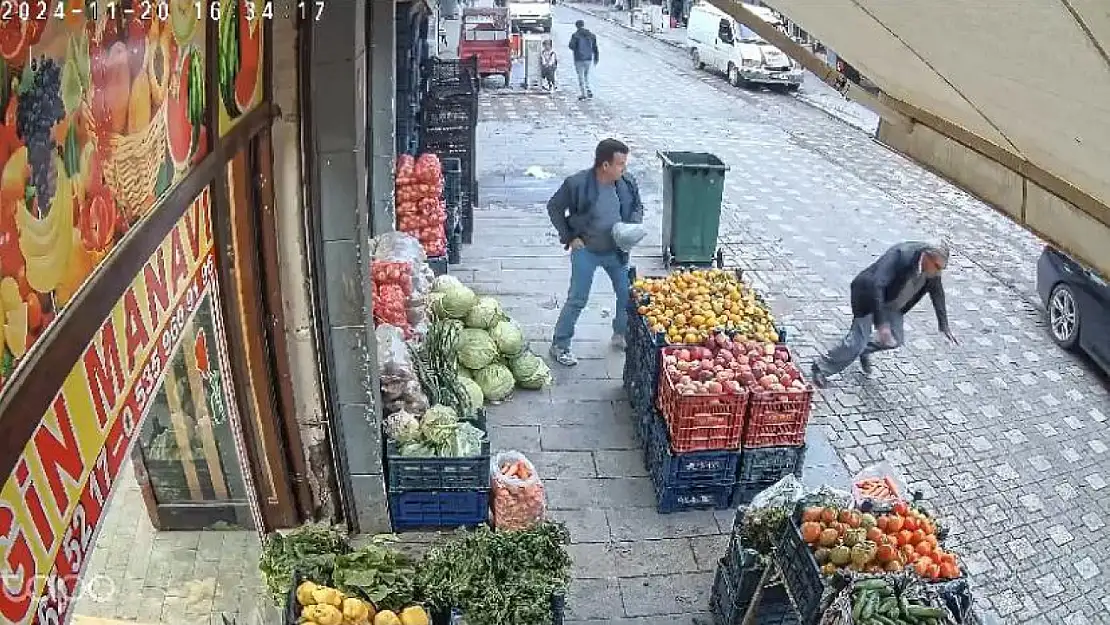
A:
(530, 15)
(721, 43)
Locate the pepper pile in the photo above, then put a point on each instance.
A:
(421, 211)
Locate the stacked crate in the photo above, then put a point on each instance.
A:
(437, 493)
(452, 183)
(739, 574)
(774, 439)
(410, 51)
(449, 124)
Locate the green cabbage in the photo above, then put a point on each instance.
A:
(508, 338)
(457, 302)
(477, 398)
(484, 314)
(467, 442)
(445, 283)
(417, 450)
(463, 372)
(495, 380)
(530, 371)
(476, 349)
(438, 426)
(402, 427)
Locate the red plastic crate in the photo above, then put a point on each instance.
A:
(778, 418)
(700, 422)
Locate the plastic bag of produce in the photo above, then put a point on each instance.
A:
(476, 348)
(518, 495)
(530, 371)
(405, 248)
(495, 380)
(508, 337)
(881, 485)
(485, 313)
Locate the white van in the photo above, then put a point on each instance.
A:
(530, 15)
(721, 43)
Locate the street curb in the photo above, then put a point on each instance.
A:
(599, 15)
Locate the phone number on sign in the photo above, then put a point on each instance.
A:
(160, 10)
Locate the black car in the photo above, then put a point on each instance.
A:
(1078, 304)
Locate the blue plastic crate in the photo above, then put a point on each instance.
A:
(678, 498)
(438, 509)
(699, 468)
(409, 473)
(761, 467)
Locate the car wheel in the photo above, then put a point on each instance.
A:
(734, 75)
(1063, 316)
(697, 59)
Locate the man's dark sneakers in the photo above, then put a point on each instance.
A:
(589, 94)
(581, 98)
(865, 364)
(817, 377)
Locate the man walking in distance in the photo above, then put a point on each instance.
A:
(881, 295)
(584, 211)
(583, 44)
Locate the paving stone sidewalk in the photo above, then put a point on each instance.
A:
(632, 565)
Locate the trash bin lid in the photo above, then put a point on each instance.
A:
(628, 236)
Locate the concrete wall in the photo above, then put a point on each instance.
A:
(341, 125)
(1008, 191)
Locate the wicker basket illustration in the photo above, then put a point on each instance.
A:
(131, 164)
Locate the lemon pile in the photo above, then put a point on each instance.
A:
(688, 306)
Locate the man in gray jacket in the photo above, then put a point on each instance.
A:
(583, 44)
(881, 295)
(584, 211)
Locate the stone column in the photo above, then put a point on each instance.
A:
(341, 122)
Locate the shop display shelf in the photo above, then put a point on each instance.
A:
(800, 573)
(730, 599)
(701, 422)
(778, 418)
(438, 265)
(413, 510)
(406, 473)
(699, 468)
(701, 497)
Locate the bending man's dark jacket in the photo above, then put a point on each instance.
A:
(584, 45)
(571, 207)
(876, 287)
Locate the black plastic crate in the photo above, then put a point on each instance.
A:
(762, 467)
(729, 600)
(452, 182)
(700, 497)
(406, 473)
(439, 268)
(454, 115)
(800, 574)
(452, 76)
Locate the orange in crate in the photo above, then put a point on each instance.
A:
(703, 421)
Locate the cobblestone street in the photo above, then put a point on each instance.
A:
(1006, 425)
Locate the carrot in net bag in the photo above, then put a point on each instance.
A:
(518, 496)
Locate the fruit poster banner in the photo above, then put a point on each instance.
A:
(240, 57)
(100, 117)
(54, 500)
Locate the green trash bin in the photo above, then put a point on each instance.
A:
(693, 184)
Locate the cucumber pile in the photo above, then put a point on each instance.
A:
(880, 602)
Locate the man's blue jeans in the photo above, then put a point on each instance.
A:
(583, 265)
